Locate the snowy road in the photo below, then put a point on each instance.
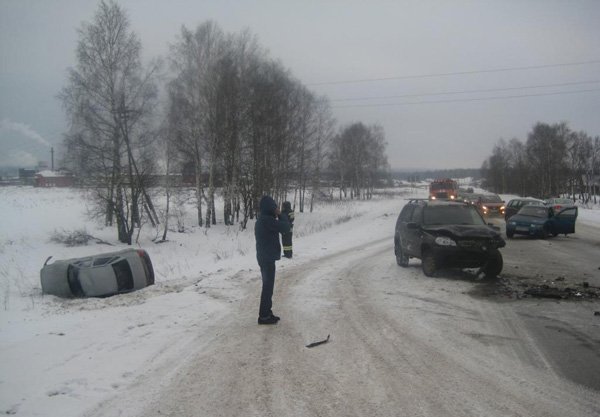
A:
(401, 344)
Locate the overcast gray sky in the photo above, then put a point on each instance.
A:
(402, 47)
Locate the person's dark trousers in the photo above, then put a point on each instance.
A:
(267, 271)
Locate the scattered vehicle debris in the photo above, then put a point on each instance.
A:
(318, 343)
(517, 287)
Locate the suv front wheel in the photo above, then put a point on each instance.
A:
(401, 257)
(429, 263)
(494, 264)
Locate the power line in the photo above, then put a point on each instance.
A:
(487, 90)
(446, 74)
(465, 100)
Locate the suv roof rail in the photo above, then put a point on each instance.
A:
(416, 200)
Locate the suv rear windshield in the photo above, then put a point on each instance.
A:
(450, 214)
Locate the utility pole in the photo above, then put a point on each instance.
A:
(52, 157)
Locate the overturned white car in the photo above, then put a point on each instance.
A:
(98, 276)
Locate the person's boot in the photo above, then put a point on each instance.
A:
(268, 320)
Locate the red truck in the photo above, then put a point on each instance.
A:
(443, 189)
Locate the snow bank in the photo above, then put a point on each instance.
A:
(63, 356)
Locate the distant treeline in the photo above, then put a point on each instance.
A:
(553, 161)
(421, 175)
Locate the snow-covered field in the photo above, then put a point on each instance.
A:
(64, 356)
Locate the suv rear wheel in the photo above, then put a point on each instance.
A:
(429, 263)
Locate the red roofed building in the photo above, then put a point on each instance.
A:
(60, 178)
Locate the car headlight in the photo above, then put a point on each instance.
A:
(444, 241)
(535, 226)
(512, 223)
(484, 207)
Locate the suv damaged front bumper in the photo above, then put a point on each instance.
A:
(461, 257)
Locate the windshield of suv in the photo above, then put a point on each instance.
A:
(451, 214)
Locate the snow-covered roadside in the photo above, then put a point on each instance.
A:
(61, 357)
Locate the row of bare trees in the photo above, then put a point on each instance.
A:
(358, 157)
(238, 118)
(554, 160)
(243, 121)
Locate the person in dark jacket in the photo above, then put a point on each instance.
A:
(286, 238)
(270, 223)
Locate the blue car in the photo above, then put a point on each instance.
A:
(541, 221)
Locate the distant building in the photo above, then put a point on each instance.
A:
(60, 178)
(27, 176)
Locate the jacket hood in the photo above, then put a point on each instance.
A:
(267, 206)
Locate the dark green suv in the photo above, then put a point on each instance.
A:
(447, 235)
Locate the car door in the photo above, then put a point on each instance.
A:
(564, 220)
(511, 208)
(403, 219)
(413, 232)
(514, 208)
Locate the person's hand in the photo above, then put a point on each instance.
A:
(277, 211)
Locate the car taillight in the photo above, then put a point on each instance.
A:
(141, 252)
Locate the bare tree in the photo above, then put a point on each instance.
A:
(324, 131)
(192, 97)
(546, 150)
(108, 100)
(358, 155)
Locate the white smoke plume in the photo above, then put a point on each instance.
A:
(23, 129)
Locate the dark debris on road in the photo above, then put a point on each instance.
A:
(516, 287)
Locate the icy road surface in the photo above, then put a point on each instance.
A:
(401, 344)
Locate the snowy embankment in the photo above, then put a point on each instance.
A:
(63, 356)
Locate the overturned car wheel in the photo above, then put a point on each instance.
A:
(494, 265)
